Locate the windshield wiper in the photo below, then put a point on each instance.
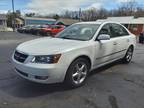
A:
(69, 37)
(65, 37)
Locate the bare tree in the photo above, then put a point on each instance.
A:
(129, 8)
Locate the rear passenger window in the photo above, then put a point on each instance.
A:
(117, 30)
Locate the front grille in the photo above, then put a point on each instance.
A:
(20, 57)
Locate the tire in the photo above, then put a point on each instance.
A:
(48, 33)
(77, 73)
(128, 57)
(38, 33)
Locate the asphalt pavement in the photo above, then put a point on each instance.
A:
(113, 86)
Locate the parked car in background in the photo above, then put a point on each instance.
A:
(52, 30)
(28, 28)
(36, 29)
(21, 29)
(25, 29)
(73, 53)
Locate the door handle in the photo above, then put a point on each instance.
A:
(115, 43)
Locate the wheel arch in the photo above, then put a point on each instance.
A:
(80, 56)
(85, 57)
(131, 46)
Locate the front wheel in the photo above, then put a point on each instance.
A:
(77, 73)
(128, 56)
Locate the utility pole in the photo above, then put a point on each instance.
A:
(80, 14)
(13, 20)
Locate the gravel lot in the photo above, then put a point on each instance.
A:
(113, 86)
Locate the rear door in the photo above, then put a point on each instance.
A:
(121, 37)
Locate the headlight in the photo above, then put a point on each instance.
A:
(50, 59)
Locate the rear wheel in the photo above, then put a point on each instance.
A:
(128, 56)
(77, 73)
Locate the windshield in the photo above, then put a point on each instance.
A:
(79, 32)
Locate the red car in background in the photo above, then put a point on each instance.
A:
(52, 30)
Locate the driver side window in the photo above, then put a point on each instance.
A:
(105, 30)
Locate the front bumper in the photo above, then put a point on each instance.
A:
(41, 73)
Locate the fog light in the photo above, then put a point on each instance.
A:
(41, 77)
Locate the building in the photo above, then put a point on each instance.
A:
(68, 21)
(3, 21)
(21, 21)
(135, 25)
(40, 21)
(37, 21)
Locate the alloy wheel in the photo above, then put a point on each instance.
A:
(80, 73)
(129, 54)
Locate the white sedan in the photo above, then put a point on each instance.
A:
(73, 53)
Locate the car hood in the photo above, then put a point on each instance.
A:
(45, 46)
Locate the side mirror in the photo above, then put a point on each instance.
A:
(103, 37)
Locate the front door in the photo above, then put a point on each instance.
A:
(105, 48)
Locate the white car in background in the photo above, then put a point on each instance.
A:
(74, 52)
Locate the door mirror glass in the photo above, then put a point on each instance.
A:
(104, 37)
